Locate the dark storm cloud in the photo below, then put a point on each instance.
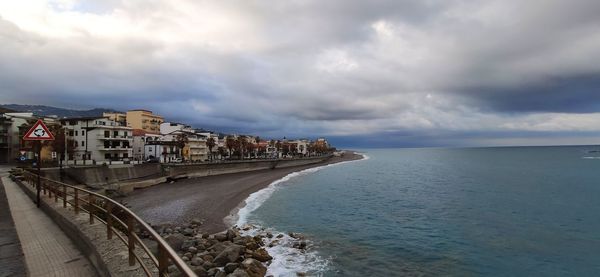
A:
(344, 68)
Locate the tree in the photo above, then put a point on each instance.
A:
(242, 146)
(210, 143)
(221, 151)
(181, 140)
(230, 143)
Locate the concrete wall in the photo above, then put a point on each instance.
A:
(103, 175)
(144, 175)
(200, 170)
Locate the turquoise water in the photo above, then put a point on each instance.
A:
(522, 211)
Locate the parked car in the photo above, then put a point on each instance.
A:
(152, 160)
(177, 160)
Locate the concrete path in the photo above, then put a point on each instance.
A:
(12, 260)
(48, 251)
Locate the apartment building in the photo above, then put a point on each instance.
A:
(140, 139)
(99, 139)
(194, 144)
(144, 120)
(116, 116)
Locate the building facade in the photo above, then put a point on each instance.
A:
(144, 120)
(99, 139)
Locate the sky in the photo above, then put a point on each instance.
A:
(363, 73)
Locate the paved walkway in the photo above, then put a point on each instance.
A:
(48, 251)
(12, 260)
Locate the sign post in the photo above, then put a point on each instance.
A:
(38, 133)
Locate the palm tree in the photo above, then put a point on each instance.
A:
(230, 143)
(180, 141)
(210, 143)
(243, 146)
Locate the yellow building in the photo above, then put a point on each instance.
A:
(118, 117)
(144, 120)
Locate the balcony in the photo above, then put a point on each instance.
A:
(102, 137)
(116, 148)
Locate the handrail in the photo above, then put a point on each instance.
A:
(166, 254)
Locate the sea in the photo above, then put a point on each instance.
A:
(503, 211)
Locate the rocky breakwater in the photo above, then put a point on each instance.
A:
(225, 254)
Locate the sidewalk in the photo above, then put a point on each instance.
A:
(12, 260)
(48, 251)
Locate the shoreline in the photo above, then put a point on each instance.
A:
(214, 200)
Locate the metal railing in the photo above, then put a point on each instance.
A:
(119, 221)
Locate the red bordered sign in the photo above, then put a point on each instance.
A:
(39, 131)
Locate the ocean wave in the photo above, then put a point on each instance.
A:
(287, 260)
(592, 158)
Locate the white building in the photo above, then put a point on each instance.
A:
(140, 139)
(99, 139)
(194, 144)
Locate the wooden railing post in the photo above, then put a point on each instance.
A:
(55, 188)
(163, 261)
(64, 196)
(76, 200)
(109, 220)
(91, 208)
(131, 240)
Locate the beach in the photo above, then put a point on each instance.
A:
(209, 199)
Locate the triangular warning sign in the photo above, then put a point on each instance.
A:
(39, 131)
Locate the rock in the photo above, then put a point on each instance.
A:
(197, 261)
(177, 229)
(220, 246)
(269, 235)
(193, 250)
(188, 232)
(280, 236)
(246, 227)
(254, 268)
(273, 243)
(175, 240)
(197, 221)
(262, 255)
(208, 265)
(187, 244)
(185, 259)
(213, 271)
(201, 272)
(168, 230)
(296, 236)
(301, 274)
(207, 257)
(239, 273)
(221, 274)
(300, 245)
(205, 236)
(221, 237)
(231, 234)
(188, 255)
(230, 267)
(229, 255)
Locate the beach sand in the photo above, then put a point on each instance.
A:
(211, 198)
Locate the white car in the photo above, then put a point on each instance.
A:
(177, 160)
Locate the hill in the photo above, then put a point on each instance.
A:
(49, 110)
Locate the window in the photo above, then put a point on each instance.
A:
(125, 155)
(107, 156)
(82, 132)
(75, 133)
(116, 133)
(70, 133)
(75, 143)
(82, 143)
(106, 134)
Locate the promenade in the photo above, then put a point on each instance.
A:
(46, 250)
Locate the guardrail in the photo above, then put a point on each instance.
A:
(119, 221)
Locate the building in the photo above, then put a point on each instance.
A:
(99, 139)
(140, 138)
(13, 127)
(194, 144)
(116, 116)
(144, 120)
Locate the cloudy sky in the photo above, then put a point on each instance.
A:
(365, 73)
